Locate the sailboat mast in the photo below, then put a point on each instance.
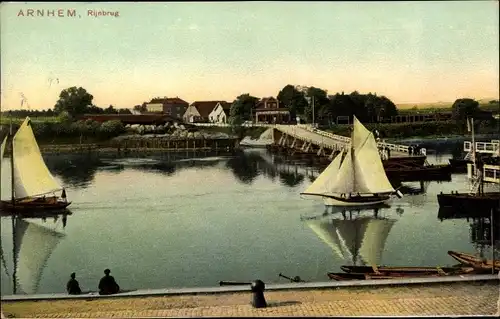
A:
(11, 137)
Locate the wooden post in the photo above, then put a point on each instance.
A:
(492, 243)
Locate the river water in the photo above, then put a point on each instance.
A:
(160, 222)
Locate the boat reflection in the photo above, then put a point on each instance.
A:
(34, 239)
(359, 239)
(481, 226)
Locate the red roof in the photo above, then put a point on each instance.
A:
(205, 107)
(226, 106)
(168, 100)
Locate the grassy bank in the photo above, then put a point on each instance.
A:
(430, 129)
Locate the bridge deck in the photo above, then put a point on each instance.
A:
(332, 141)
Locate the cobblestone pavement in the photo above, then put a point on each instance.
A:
(437, 299)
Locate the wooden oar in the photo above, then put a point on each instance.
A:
(294, 279)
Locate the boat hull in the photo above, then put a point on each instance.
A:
(413, 161)
(468, 259)
(356, 201)
(374, 276)
(464, 202)
(34, 205)
(431, 172)
(402, 270)
(459, 164)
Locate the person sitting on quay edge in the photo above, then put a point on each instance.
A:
(107, 284)
(73, 287)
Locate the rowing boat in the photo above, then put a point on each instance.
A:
(476, 262)
(396, 269)
(374, 276)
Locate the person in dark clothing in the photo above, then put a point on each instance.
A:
(107, 284)
(73, 287)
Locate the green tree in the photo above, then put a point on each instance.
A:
(110, 110)
(73, 100)
(319, 96)
(242, 109)
(463, 108)
(293, 99)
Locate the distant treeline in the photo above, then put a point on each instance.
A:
(407, 130)
(71, 132)
(41, 113)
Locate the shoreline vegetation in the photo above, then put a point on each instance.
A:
(50, 131)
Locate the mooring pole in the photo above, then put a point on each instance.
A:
(492, 243)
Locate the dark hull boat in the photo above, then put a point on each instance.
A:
(34, 204)
(431, 172)
(465, 202)
(391, 275)
(459, 164)
(400, 270)
(412, 161)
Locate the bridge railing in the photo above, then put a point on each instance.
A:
(483, 147)
(292, 131)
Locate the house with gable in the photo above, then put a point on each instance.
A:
(199, 111)
(174, 107)
(220, 113)
(268, 110)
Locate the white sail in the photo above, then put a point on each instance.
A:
(322, 184)
(2, 149)
(374, 239)
(327, 232)
(370, 174)
(344, 182)
(33, 246)
(31, 175)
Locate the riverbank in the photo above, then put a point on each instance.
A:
(432, 298)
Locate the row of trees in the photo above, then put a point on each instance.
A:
(72, 101)
(309, 102)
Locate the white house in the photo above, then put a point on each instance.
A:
(220, 113)
(200, 111)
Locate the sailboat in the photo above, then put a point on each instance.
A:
(356, 176)
(31, 180)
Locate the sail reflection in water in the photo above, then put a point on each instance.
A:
(360, 239)
(33, 244)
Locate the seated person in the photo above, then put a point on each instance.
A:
(73, 287)
(108, 285)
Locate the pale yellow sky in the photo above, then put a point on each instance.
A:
(409, 51)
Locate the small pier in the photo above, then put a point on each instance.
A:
(169, 143)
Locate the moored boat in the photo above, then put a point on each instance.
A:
(473, 261)
(464, 202)
(429, 172)
(400, 274)
(396, 269)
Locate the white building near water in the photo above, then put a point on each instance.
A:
(220, 114)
